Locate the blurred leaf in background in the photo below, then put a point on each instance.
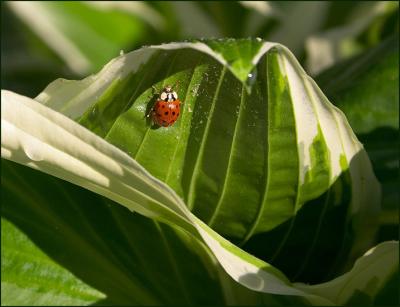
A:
(52, 39)
(86, 34)
(27, 64)
(350, 28)
(366, 88)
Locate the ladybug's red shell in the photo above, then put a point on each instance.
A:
(165, 113)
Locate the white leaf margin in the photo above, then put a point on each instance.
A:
(73, 98)
(41, 138)
(375, 265)
(312, 108)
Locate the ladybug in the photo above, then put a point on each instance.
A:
(167, 108)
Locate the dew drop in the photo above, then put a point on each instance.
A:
(251, 79)
(252, 281)
(26, 267)
(141, 108)
(33, 149)
(94, 113)
(195, 90)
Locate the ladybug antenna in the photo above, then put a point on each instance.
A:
(176, 85)
(155, 90)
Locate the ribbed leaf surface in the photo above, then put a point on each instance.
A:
(244, 162)
(258, 154)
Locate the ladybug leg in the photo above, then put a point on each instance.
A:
(151, 117)
(151, 112)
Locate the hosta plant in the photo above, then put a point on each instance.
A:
(260, 193)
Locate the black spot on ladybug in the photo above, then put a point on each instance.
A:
(162, 106)
(177, 114)
(173, 112)
(166, 113)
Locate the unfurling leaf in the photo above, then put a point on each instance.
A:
(258, 156)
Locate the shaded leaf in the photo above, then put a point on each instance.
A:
(365, 88)
(29, 277)
(28, 65)
(133, 259)
(230, 147)
(108, 104)
(84, 36)
(353, 287)
(342, 40)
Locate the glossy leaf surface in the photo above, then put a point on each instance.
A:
(263, 164)
(243, 162)
(29, 277)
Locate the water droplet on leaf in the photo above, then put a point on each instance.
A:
(94, 113)
(33, 149)
(251, 79)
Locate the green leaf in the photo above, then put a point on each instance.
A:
(145, 262)
(238, 56)
(29, 277)
(383, 148)
(104, 243)
(231, 147)
(389, 294)
(230, 154)
(367, 278)
(298, 21)
(193, 20)
(85, 35)
(28, 65)
(365, 88)
(103, 168)
(347, 26)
